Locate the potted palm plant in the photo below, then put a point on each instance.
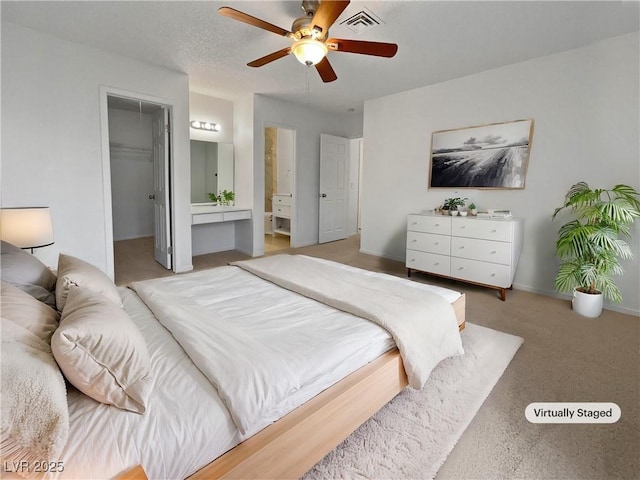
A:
(589, 246)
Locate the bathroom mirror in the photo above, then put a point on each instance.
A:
(211, 169)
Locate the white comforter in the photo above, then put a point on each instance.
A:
(264, 369)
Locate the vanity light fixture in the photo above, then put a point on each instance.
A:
(211, 127)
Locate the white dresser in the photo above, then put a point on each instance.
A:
(478, 250)
(281, 205)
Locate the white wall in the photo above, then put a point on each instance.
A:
(308, 124)
(131, 174)
(51, 138)
(585, 106)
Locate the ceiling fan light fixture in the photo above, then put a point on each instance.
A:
(309, 51)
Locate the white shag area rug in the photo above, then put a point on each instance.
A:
(411, 436)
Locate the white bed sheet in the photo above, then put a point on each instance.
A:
(186, 425)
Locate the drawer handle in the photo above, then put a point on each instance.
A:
(412, 260)
(493, 253)
(414, 223)
(414, 240)
(461, 268)
(493, 274)
(436, 264)
(462, 247)
(437, 225)
(437, 243)
(494, 231)
(463, 227)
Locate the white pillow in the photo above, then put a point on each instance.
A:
(26, 311)
(101, 351)
(35, 416)
(73, 271)
(27, 273)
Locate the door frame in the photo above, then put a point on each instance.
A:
(293, 238)
(106, 91)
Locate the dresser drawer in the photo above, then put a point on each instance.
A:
(281, 200)
(479, 228)
(430, 224)
(481, 272)
(428, 242)
(428, 262)
(483, 250)
(282, 211)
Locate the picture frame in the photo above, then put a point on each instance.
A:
(492, 156)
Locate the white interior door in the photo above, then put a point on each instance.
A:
(162, 217)
(334, 193)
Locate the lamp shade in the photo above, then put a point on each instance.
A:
(26, 227)
(309, 51)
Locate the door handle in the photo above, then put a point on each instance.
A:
(152, 197)
(323, 195)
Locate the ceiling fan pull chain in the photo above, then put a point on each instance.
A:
(308, 87)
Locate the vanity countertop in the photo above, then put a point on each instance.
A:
(200, 208)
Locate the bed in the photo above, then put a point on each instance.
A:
(189, 429)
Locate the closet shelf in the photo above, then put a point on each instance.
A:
(127, 152)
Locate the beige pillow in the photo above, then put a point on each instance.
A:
(35, 416)
(27, 273)
(101, 351)
(24, 310)
(73, 271)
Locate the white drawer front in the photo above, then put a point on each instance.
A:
(282, 211)
(430, 224)
(484, 250)
(206, 218)
(281, 200)
(428, 242)
(481, 272)
(428, 262)
(478, 228)
(237, 215)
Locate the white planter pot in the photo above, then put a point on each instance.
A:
(587, 304)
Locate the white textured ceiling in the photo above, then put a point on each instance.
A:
(438, 41)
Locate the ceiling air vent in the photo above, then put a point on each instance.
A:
(361, 21)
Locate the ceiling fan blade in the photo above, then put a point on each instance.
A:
(270, 58)
(379, 49)
(325, 70)
(327, 13)
(256, 22)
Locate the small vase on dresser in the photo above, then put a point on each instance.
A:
(478, 250)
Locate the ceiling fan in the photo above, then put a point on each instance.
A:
(309, 35)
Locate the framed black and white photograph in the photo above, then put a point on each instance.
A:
(485, 156)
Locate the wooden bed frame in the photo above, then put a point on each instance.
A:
(291, 446)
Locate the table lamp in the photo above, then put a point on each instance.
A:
(26, 227)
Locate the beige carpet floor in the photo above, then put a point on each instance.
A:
(564, 357)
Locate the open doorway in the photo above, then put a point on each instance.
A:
(279, 186)
(139, 152)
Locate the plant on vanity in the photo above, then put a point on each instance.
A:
(589, 247)
(224, 197)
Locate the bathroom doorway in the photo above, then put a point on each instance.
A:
(279, 186)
